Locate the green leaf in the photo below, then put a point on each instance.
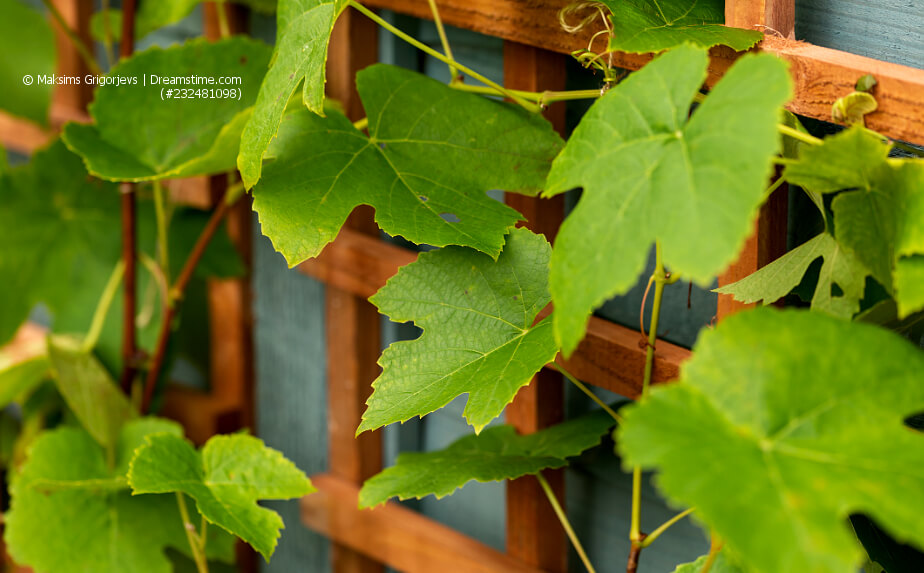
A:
(28, 43)
(496, 454)
(786, 441)
(780, 277)
(138, 137)
(651, 175)
(878, 219)
(721, 565)
(19, 379)
(89, 390)
(654, 25)
(227, 479)
(425, 168)
(71, 513)
(478, 336)
(303, 32)
(54, 214)
(853, 107)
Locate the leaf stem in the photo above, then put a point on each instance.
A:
(798, 135)
(82, 49)
(660, 278)
(773, 187)
(453, 72)
(102, 308)
(175, 293)
(223, 30)
(361, 124)
(195, 543)
(583, 388)
(449, 61)
(650, 538)
(715, 545)
(540, 98)
(560, 513)
(160, 215)
(129, 290)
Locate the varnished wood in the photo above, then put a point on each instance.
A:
(399, 537)
(821, 75)
(352, 324)
(776, 17)
(530, 538)
(76, 13)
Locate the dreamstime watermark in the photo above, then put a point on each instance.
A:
(142, 80)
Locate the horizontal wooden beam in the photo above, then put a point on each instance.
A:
(396, 536)
(611, 356)
(821, 75)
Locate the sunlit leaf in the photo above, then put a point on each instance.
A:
(226, 479)
(772, 439)
(721, 565)
(650, 174)
(478, 336)
(496, 454)
(426, 167)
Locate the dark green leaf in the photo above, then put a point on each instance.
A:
(28, 45)
(426, 167)
(785, 441)
(496, 454)
(478, 336)
(651, 175)
(721, 565)
(655, 25)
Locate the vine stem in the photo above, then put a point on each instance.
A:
(715, 545)
(102, 308)
(453, 72)
(560, 513)
(224, 31)
(82, 49)
(449, 61)
(661, 279)
(583, 388)
(798, 135)
(195, 542)
(175, 292)
(540, 98)
(650, 538)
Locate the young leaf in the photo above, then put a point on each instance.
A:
(89, 390)
(655, 25)
(478, 336)
(303, 31)
(28, 45)
(650, 175)
(780, 277)
(138, 137)
(70, 512)
(786, 441)
(426, 167)
(495, 454)
(721, 565)
(879, 219)
(227, 479)
(52, 213)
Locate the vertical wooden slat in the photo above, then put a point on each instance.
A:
(77, 15)
(532, 534)
(768, 240)
(352, 325)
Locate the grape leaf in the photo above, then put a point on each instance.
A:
(641, 26)
(721, 565)
(28, 43)
(138, 137)
(426, 159)
(496, 454)
(878, 219)
(780, 277)
(303, 32)
(89, 390)
(20, 378)
(478, 336)
(226, 479)
(773, 428)
(650, 175)
(71, 513)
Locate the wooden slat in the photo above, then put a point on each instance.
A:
(399, 537)
(352, 324)
(530, 538)
(771, 16)
(76, 13)
(609, 356)
(821, 75)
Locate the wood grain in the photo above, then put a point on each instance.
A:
(777, 17)
(821, 75)
(399, 537)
